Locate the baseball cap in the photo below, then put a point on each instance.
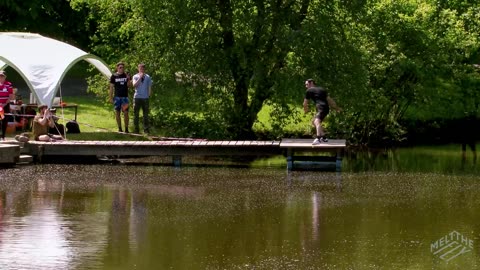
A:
(2, 73)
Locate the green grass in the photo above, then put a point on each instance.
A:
(96, 120)
(93, 115)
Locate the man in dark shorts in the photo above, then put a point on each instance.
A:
(119, 83)
(322, 104)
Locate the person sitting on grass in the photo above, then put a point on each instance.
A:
(41, 123)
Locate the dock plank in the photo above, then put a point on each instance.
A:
(307, 143)
(291, 147)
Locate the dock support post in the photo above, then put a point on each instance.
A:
(177, 161)
(338, 161)
(40, 152)
(9, 154)
(338, 164)
(289, 159)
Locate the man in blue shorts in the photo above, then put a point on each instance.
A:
(119, 83)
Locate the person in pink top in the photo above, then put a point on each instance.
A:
(6, 95)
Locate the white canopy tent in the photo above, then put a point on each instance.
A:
(43, 62)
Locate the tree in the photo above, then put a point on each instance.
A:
(217, 63)
(235, 46)
(53, 18)
(232, 55)
(418, 55)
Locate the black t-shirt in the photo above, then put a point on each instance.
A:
(318, 95)
(120, 82)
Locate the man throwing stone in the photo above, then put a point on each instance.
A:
(322, 103)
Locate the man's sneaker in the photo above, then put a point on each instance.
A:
(320, 140)
(120, 130)
(126, 130)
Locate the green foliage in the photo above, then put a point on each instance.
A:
(419, 56)
(243, 53)
(217, 64)
(54, 18)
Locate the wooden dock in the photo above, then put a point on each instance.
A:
(9, 154)
(297, 151)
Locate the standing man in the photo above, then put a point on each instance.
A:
(143, 89)
(6, 95)
(322, 103)
(120, 81)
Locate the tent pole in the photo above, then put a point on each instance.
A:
(63, 115)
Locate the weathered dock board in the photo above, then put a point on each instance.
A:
(179, 148)
(154, 148)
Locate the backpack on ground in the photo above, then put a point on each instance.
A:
(72, 127)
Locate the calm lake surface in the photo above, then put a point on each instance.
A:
(406, 209)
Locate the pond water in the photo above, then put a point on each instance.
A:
(405, 209)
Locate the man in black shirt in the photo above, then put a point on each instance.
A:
(322, 103)
(120, 81)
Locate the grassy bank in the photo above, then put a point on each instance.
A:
(96, 120)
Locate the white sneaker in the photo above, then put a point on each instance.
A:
(316, 141)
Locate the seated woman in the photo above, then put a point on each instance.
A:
(41, 123)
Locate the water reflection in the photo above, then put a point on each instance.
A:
(152, 217)
(325, 179)
(32, 232)
(447, 159)
(138, 220)
(36, 235)
(37, 240)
